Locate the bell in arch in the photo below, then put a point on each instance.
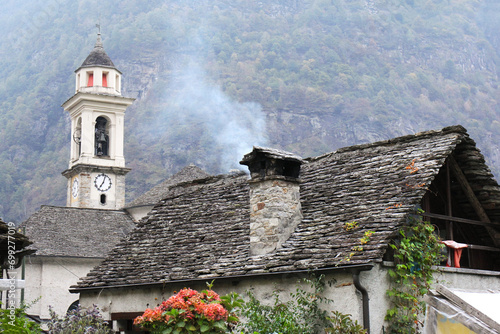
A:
(101, 137)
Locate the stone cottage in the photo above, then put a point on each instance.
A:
(288, 218)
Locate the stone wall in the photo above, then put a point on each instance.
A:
(275, 211)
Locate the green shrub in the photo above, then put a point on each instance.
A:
(302, 315)
(15, 321)
(343, 324)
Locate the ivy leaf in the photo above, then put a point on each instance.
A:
(220, 324)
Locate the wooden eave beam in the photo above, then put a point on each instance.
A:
(458, 219)
(469, 193)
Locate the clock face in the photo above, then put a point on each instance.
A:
(74, 188)
(102, 182)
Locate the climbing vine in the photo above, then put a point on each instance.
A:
(350, 226)
(415, 254)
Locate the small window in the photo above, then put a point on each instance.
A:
(90, 82)
(103, 199)
(105, 79)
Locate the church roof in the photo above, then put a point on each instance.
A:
(98, 57)
(64, 231)
(201, 230)
(158, 192)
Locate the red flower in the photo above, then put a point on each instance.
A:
(215, 311)
(194, 305)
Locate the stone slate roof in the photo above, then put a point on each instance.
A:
(158, 192)
(98, 57)
(201, 230)
(64, 231)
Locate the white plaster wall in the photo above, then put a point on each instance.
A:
(139, 212)
(342, 290)
(463, 278)
(33, 283)
(50, 279)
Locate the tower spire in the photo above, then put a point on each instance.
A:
(98, 43)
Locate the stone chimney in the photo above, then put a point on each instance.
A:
(275, 209)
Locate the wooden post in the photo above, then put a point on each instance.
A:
(469, 193)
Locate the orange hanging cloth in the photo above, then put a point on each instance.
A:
(457, 248)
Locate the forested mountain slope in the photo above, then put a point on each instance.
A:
(214, 77)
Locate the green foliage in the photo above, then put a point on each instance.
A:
(343, 324)
(303, 314)
(415, 254)
(78, 321)
(350, 226)
(15, 321)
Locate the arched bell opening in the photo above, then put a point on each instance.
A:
(77, 138)
(101, 137)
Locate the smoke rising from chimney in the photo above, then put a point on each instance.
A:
(197, 121)
(231, 127)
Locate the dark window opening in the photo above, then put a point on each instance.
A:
(103, 199)
(125, 321)
(74, 306)
(291, 169)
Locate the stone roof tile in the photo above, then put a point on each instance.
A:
(64, 231)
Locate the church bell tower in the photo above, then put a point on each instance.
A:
(96, 173)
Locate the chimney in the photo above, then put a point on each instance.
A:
(275, 208)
